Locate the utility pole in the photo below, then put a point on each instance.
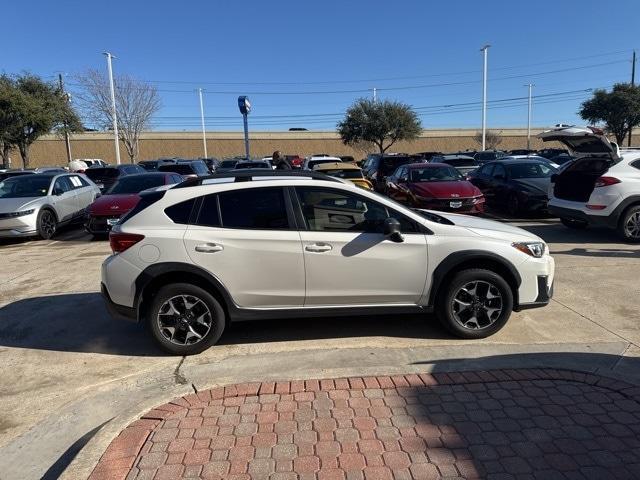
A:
(67, 141)
(204, 132)
(530, 85)
(485, 51)
(633, 82)
(375, 96)
(113, 107)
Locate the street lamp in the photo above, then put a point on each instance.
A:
(485, 51)
(245, 107)
(530, 85)
(113, 106)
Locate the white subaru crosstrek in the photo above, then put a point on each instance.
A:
(263, 244)
(601, 187)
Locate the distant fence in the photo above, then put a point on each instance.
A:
(50, 150)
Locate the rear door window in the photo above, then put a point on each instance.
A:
(180, 212)
(254, 208)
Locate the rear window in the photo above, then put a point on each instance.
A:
(254, 208)
(181, 169)
(460, 162)
(136, 183)
(242, 165)
(100, 172)
(530, 170)
(339, 173)
(314, 163)
(200, 167)
(180, 212)
(228, 163)
(209, 215)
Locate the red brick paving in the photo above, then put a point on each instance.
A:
(535, 424)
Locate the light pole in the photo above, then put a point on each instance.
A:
(204, 132)
(485, 51)
(113, 107)
(67, 97)
(375, 95)
(245, 107)
(530, 85)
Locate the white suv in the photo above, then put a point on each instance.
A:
(263, 244)
(600, 187)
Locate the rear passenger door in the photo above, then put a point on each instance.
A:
(85, 195)
(247, 239)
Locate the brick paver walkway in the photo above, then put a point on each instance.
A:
(542, 424)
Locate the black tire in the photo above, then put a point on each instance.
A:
(445, 303)
(513, 205)
(629, 225)
(46, 224)
(574, 224)
(213, 334)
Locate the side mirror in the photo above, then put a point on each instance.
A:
(57, 191)
(391, 230)
(554, 178)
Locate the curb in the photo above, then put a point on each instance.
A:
(119, 458)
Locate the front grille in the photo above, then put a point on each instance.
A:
(100, 223)
(446, 204)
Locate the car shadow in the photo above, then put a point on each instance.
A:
(68, 233)
(79, 322)
(558, 233)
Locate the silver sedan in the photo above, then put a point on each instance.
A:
(38, 204)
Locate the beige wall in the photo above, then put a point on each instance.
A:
(50, 150)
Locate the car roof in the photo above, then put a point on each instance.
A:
(456, 156)
(425, 165)
(518, 161)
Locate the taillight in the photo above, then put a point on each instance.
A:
(606, 181)
(121, 241)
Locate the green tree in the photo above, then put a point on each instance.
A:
(619, 109)
(30, 108)
(381, 123)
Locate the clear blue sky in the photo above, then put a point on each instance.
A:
(425, 53)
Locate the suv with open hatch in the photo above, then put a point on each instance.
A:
(600, 186)
(259, 244)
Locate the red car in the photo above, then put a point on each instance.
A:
(107, 209)
(434, 186)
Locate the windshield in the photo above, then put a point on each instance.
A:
(135, 184)
(350, 173)
(435, 174)
(531, 170)
(460, 162)
(228, 163)
(389, 164)
(25, 186)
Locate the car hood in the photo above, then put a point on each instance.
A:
(114, 204)
(490, 228)
(454, 189)
(10, 205)
(538, 186)
(583, 141)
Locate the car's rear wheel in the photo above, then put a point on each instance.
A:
(476, 303)
(46, 224)
(629, 227)
(185, 319)
(574, 224)
(513, 205)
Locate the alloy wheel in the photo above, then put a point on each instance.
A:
(184, 319)
(477, 305)
(47, 224)
(632, 226)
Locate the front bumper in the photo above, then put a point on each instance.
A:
(99, 225)
(536, 289)
(545, 293)
(23, 226)
(467, 205)
(119, 312)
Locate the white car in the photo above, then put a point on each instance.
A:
(37, 204)
(269, 244)
(311, 162)
(601, 187)
(79, 165)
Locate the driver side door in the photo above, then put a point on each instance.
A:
(348, 260)
(64, 199)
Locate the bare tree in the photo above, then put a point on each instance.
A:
(136, 103)
(491, 139)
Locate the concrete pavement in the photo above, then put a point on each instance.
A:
(64, 357)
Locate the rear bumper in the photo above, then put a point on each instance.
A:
(609, 221)
(119, 312)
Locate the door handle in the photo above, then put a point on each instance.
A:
(209, 248)
(318, 248)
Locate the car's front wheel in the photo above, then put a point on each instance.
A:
(476, 303)
(46, 224)
(185, 319)
(629, 227)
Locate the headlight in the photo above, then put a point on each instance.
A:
(17, 214)
(535, 249)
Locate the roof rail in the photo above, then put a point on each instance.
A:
(248, 174)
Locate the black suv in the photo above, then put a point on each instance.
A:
(152, 165)
(187, 168)
(378, 167)
(105, 177)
